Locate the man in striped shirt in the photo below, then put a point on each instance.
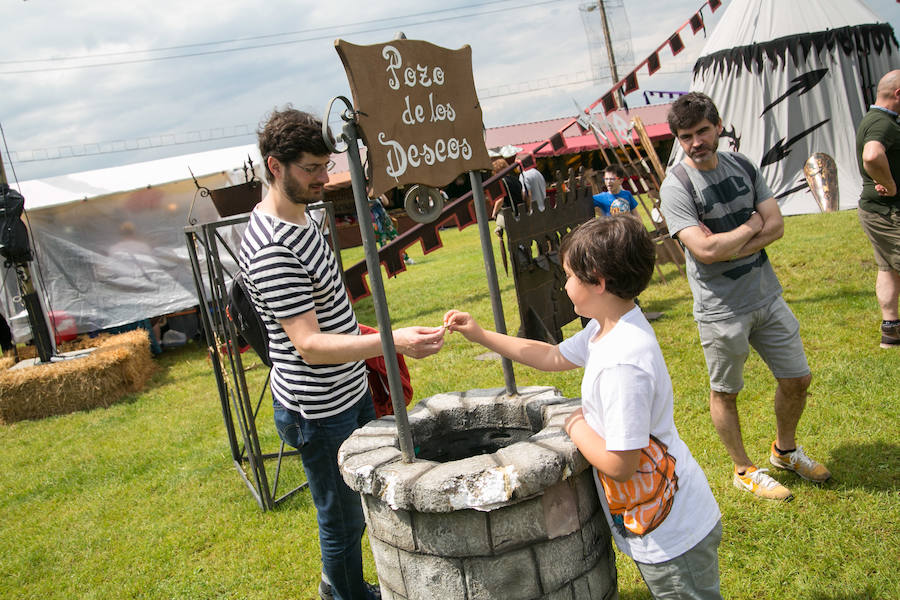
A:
(318, 378)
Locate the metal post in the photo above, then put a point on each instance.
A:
(487, 252)
(364, 216)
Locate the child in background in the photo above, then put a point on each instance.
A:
(654, 495)
(615, 200)
(384, 226)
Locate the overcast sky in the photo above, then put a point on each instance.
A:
(124, 82)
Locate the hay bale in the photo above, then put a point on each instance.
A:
(6, 362)
(82, 342)
(121, 364)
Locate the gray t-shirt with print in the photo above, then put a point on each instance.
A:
(727, 198)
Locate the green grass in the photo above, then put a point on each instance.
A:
(141, 500)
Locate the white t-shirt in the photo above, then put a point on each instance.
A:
(626, 398)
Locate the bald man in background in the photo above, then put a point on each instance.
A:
(878, 152)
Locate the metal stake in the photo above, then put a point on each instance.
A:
(364, 216)
(487, 251)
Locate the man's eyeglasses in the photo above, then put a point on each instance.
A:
(318, 169)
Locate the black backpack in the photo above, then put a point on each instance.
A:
(14, 245)
(246, 319)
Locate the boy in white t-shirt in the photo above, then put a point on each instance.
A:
(655, 496)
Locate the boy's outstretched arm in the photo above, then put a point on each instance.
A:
(539, 355)
(620, 465)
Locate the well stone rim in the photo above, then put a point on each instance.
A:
(371, 463)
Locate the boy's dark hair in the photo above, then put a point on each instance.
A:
(690, 109)
(616, 170)
(287, 134)
(617, 249)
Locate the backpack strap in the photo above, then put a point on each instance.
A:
(681, 175)
(748, 166)
(684, 179)
(246, 319)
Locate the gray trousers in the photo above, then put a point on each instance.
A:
(692, 576)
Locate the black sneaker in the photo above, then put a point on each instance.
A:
(325, 592)
(890, 335)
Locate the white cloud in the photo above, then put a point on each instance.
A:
(526, 42)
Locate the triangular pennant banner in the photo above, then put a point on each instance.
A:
(556, 141)
(631, 82)
(696, 23)
(653, 63)
(676, 44)
(609, 103)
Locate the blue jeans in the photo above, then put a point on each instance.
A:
(338, 508)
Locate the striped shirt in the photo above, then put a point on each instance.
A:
(291, 270)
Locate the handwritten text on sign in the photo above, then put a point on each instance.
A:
(418, 111)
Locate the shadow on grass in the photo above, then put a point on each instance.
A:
(866, 593)
(639, 594)
(841, 296)
(666, 306)
(172, 359)
(874, 466)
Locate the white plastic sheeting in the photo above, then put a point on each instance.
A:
(108, 257)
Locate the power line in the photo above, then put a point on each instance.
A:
(246, 38)
(259, 46)
(121, 146)
(246, 131)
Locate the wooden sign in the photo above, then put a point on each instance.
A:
(418, 112)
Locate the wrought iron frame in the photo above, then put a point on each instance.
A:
(206, 244)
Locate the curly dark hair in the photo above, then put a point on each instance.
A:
(690, 109)
(287, 134)
(617, 249)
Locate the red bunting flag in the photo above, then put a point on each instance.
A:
(609, 102)
(653, 63)
(676, 44)
(631, 82)
(696, 23)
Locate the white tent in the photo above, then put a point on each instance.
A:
(794, 78)
(110, 245)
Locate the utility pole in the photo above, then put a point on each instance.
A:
(609, 51)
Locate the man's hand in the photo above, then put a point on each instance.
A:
(877, 166)
(755, 222)
(708, 247)
(884, 190)
(706, 230)
(418, 342)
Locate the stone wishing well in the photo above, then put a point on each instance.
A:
(499, 503)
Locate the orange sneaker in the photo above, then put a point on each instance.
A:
(758, 482)
(798, 462)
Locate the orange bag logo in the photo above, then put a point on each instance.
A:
(640, 504)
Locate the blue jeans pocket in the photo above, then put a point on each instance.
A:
(288, 425)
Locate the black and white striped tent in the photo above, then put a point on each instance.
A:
(794, 78)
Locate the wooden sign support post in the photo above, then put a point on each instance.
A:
(490, 267)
